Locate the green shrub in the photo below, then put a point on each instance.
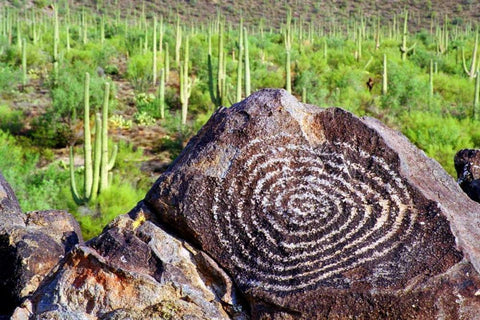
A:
(439, 136)
(9, 77)
(10, 120)
(36, 188)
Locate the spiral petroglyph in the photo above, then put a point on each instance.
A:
(304, 216)
(313, 211)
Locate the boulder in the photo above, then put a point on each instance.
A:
(281, 210)
(318, 214)
(31, 245)
(135, 270)
(467, 165)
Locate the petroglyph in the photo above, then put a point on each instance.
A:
(310, 213)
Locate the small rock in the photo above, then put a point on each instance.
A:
(467, 165)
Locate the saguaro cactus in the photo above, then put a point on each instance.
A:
(247, 64)
(56, 40)
(472, 73)
(404, 49)
(431, 79)
(186, 84)
(24, 62)
(217, 93)
(476, 100)
(288, 47)
(385, 76)
(154, 50)
(240, 62)
(96, 175)
(178, 41)
(161, 93)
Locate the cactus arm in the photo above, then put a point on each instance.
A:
(113, 157)
(73, 185)
(97, 153)
(464, 62)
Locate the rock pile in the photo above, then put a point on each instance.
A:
(31, 245)
(281, 210)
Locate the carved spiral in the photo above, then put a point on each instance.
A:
(290, 217)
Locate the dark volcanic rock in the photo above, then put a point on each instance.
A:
(30, 245)
(319, 214)
(467, 165)
(134, 270)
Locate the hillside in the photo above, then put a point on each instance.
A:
(273, 12)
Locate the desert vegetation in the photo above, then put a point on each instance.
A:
(82, 84)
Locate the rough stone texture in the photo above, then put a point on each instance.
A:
(30, 245)
(134, 270)
(467, 165)
(319, 214)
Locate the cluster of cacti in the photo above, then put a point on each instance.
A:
(96, 172)
(442, 37)
(243, 65)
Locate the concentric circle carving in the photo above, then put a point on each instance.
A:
(290, 217)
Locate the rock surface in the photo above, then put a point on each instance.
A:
(316, 213)
(134, 270)
(31, 245)
(281, 210)
(467, 165)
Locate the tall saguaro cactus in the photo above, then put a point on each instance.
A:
(186, 84)
(56, 40)
(217, 93)
(288, 47)
(154, 49)
(240, 62)
(247, 64)
(96, 173)
(178, 41)
(404, 49)
(24, 62)
(476, 98)
(385, 76)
